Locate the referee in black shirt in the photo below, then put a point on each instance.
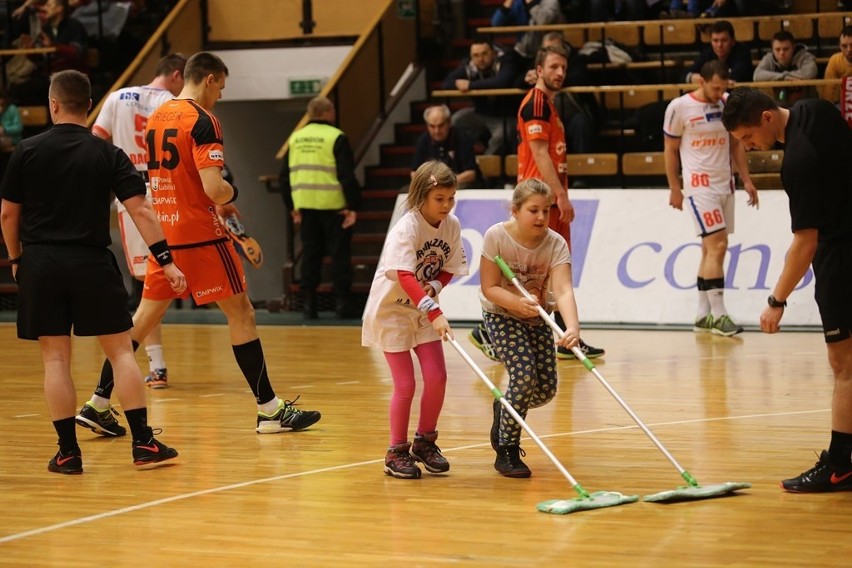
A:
(56, 198)
(817, 176)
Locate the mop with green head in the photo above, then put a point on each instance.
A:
(693, 490)
(586, 500)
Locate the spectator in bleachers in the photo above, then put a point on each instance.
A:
(68, 37)
(541, 12)
(512, 13)
(446, 144)
(787, 61)
(606, 10)
(839, 65)
(705, 9)
(724, 47)
(489, 120)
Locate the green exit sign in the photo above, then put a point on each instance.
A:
(305, 87)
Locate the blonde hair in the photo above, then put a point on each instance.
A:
(428, 176)
(527, 188)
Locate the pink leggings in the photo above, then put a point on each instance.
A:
(431, 357)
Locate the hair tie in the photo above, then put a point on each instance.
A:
(433, 180)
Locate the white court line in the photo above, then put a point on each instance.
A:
(348, 383)
(211, 395)
(149, 504)
(25, 415)
(302, 387)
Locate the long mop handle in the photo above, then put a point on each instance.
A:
(507, 272)
(514, 413)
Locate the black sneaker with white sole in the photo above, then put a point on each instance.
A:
(101, 422)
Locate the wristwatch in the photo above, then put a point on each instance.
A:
(14, 260)
(773, 303)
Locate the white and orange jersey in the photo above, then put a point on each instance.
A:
(183, 138)
(124, 117)
(705, 145)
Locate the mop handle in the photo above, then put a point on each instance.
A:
(507, 272)
(514, 413)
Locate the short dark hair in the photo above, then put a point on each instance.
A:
(846, 31)
(784, 35)
(545, 51)
(203, 64)
(745, 106)
(715, 67)
(480, 39)
(170, 63)
(72, 90)
(723, 26)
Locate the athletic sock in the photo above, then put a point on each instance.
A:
(100, 403)
(66, 430)
(137, 419)
(155, 357)
(715, 290)
(270, 407)
(703, 300)
(106, 382)
(840, 449)
(251, 362)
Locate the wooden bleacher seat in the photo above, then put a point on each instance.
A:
(764, 167)
(34, 116)
(510, 166)
(491, 166)
(626, 35)
(592, 164)
(643, 164)
(670, 33)
(829, 25)
(801, 29)
(764, 161)
(636, 99)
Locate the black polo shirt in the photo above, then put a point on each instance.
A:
(817, 169)
(65, 179)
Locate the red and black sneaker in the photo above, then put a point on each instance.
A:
(824, 477)
(151, 451)
(425, 451)
(70, 463)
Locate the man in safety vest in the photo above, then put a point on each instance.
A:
(321, 192)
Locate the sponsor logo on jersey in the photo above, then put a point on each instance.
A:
(216, 155)
(534, 129)
(208, 291)
(129, 97)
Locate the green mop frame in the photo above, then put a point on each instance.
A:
(693, 490)
(586, 501)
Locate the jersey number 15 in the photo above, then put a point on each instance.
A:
(165, 154)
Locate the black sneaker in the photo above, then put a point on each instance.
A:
(69, 464)
(823, 477)
(479, 337)
(426, 451)
(100, 422)
(495, 425)
(399, 463)
(508, 462)
(151, 450)
(287, 418)
(589, 351)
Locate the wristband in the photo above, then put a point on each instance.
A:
(773, 303)
(14, 260)
(437, 286)
(161, 252)
(427, 304)
(233, 197)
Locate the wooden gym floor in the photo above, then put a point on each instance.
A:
(750, 408)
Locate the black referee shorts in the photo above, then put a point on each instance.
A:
(60, 287)
(833, 274)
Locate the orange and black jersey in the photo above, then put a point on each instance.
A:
(538, 120)
(183, 138)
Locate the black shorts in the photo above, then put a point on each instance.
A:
(60, 287)
(833, 274)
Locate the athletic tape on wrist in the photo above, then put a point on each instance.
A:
(161, 253)
(436, 285)
(427, 304)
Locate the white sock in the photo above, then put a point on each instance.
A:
(717, 302)
(155, 357)
(703, 304)
(269, 407)
(100, 403)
